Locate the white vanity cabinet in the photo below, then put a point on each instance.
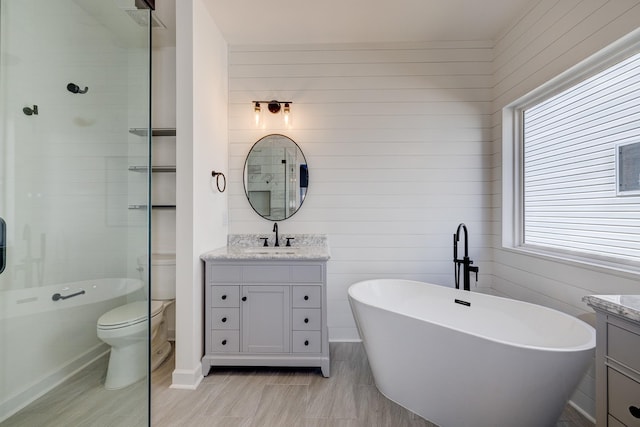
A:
(265, 313)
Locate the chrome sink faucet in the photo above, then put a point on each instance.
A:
(275, 230)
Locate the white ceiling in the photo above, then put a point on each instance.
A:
(358, 21)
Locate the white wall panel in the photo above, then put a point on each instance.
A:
(201, 126)
(397, 138)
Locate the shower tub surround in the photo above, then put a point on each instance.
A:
(464, 359)
(34, 322)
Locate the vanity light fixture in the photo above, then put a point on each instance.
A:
(287, 112)
(274, 106)
(256, 110)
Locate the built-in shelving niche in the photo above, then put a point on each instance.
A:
(154, 169)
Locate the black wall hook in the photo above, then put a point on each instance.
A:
(74, 88)
(30, 111)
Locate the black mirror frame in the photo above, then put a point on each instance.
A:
(244, 172)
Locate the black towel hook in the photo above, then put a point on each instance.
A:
(74, 88)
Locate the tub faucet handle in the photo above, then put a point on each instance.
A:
(266, 243)
(474, 269)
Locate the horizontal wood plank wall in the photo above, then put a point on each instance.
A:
(398, 143)
(549, 38)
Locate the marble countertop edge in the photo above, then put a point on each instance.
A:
(625, 306)
(247, 247)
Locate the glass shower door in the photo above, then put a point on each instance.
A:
(74, 80)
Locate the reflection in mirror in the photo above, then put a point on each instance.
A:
(276, 177)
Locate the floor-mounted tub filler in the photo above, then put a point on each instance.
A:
(464, 359)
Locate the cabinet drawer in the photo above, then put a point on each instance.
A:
(306, 342)
(225, 273)
(225, 341)
(306, 273)
(623, 346)
(225, 318)
(306, 319)
(623, 393)
(225, 296)
(306, 296)
(266, 274)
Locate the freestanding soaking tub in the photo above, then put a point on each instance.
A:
(463, 359)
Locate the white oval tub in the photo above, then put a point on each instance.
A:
(496, 362)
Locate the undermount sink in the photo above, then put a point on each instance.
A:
(271, 250)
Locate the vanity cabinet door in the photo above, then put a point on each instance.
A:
(266, 326)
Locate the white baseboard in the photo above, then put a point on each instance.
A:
(343, 334)
(186, 379)
(582, 411)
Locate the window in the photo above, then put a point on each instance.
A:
(579, 149)
(628, 169)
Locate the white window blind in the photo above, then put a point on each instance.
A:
(569, 166)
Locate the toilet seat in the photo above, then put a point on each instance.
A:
(128, 315)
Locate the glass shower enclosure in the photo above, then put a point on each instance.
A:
(74, 121)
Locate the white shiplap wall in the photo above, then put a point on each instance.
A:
(398, 142)
(549, 38)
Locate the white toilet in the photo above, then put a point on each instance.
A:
(125, 328)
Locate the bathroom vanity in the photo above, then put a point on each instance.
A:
(266, 306)
(617, 359)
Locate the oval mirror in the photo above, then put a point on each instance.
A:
(276, 177)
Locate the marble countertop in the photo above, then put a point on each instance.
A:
(626, 306)
(250, 247)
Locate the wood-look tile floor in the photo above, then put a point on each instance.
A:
(290, 398)
(234, 398)
(82, 401)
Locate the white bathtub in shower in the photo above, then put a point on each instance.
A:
(54, 338)
(463, 359)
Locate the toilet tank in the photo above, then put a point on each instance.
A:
(163, 275)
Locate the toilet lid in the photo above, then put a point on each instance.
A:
(129, 314)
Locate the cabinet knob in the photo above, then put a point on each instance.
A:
(244, 298)
(306, 320)
(224, 320)
(224, 342)
(306, 342)
(635, 411)
(224, 297)
(306, 297)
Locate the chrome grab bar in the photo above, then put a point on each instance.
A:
(57, 296)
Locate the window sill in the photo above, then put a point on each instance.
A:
(628, 271)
